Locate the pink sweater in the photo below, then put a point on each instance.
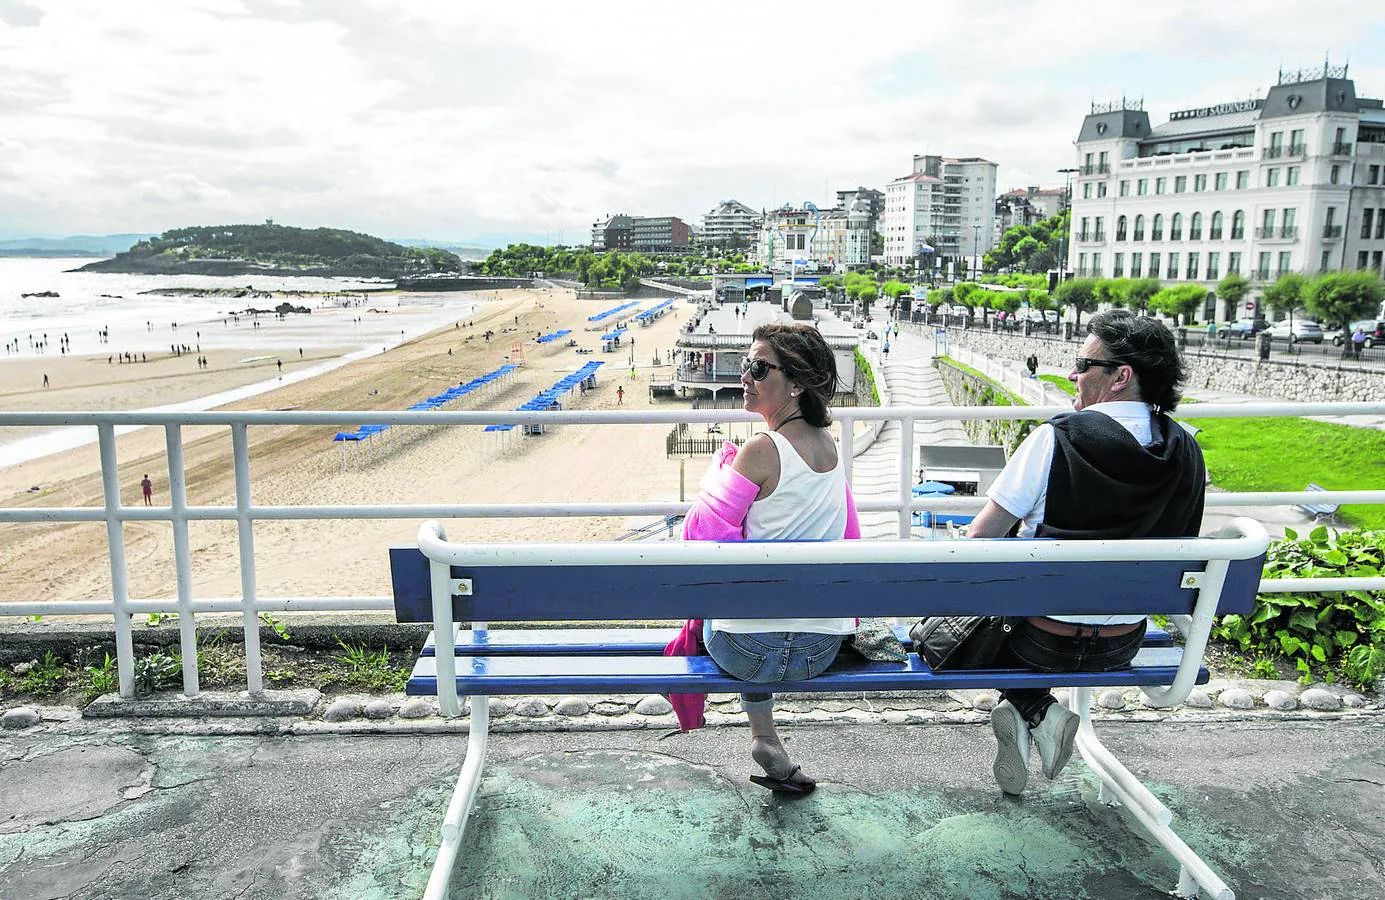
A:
(723, 499)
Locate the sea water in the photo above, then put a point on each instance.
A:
(139, 322)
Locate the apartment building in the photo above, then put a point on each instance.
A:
(1290, 182)
(945, 203)
(730, 225)
(833, 240)
(659, 234)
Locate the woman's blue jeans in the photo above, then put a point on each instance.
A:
(769, 657)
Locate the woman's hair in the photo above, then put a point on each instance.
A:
(809, 363)
(1147, 346)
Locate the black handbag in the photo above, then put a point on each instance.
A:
(960, 642)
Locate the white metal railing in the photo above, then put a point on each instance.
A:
(245, 513)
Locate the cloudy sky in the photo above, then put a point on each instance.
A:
(479, 121)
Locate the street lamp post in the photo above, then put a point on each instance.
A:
(1063, 239)
(975, 248)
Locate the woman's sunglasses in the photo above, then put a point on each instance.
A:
(1083, 363)
(759, 368)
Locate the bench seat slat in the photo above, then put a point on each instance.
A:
(502, 675)
(615, 641)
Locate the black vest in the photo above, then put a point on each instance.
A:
(1104, 484)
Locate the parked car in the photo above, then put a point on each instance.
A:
(1244, 329)
(1297, 331)
(1374, 329)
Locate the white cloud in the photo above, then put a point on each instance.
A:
(450, 120)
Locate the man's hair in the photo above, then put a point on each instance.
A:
(809, 363)
(1147, 346)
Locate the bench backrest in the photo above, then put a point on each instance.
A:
(621, 581)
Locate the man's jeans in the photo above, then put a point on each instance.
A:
(1034, 648)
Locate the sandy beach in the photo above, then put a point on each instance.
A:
(293, 465)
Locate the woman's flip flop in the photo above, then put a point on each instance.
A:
(786, 785)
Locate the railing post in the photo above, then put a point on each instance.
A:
(115, 544)
(182, 558)
(847, 444)
(245, 532)
(906, 471)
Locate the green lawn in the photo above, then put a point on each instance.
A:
(1286, 454)
(1062, 382)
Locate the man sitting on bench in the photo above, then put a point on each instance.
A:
(1117, 467)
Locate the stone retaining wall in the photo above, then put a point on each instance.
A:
(1272, 379)
(965, 389)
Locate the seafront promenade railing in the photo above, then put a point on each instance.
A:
(245, 513)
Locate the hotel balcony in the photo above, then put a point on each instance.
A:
(1342, 149)
(1289, 233)
(1260, 274)
(1331, 232)
(1101, 169)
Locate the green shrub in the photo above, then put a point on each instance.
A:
(1339, 634)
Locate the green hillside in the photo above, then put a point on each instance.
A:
(276, 249)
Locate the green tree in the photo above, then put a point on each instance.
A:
(1079, 295)
(1179, 301)
(894, 289)
(1231, 290)
(1342, 296)
(1140, 292)
(1286, 294)
(867, 295)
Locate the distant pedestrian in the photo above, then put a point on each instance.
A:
(620, 395)
(147, 487)
(1032, 364)
(45, 379)
(300, 352)
(1358, 341)
(280, 364)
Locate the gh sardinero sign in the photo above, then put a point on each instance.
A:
(1220, 109)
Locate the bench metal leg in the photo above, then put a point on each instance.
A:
(463, 798)
(1118, 784)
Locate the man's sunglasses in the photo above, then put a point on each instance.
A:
(759, 368)
(1083, 363)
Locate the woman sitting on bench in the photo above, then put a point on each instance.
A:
(786, 484)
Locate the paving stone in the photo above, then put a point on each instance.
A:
(341, 710)
(19, 717)
(1280, 700)
(1198, 699)
(571, 706)
(1111, 700)
(497, 708)
(416, 708)
(1321, 700)
(1236, 698)
(654, 705)
(984, 702)
(531, 707)
(379, 709)
(1353, 701)
(610, 708)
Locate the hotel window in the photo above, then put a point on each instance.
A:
(1161, 185)
(1157, 230)
(1376, 260)
(1101, 189)
(1140, 228)
(1176, 227)
(1326, 260)
(1272, 178)
(1102, 160)
(1082, 235)
(1120, 228)
(1242, 179)
(1263, 270)
(1135, 260)
(1213, 266)
(1285, 260)
(1096, 265)
(1125, 189)
(1192, 266)
(1172, 273)
(1199, 183)
(1142, 187)
(1291, 175)
(1082, 265)
(1276, 143)
(1220, 181)
(1216, 226)
(1336, 176)
(1154, 265)
(1374, 174)
(1233, 263)
(1363, 259)
(1118, 266)
(1100, 229)
(1195, 228)
(1296, 141)
(1088, 162)
(1238, 225)
(1290, 220)
(1380, 223)
(1180, 184)
(1087, 191)
(1267, 224)
(1366, 222)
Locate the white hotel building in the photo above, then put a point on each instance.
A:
(1293, 182)
(945, 203)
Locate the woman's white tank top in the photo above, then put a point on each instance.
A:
(805, 506)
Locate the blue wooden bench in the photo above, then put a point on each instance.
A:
(1317, 511)
(1188, 580)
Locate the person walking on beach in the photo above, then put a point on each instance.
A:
(45, 379)
(147, 487)
(620, 395)
(280, 364)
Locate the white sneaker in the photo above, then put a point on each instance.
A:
(1011, 766)
(1054, 736)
